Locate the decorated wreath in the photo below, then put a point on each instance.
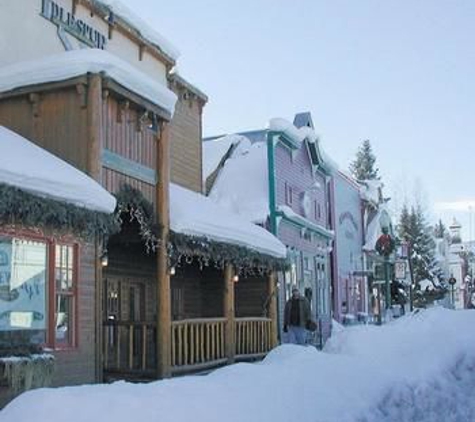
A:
(385, 245)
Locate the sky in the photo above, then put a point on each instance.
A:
(396, 72)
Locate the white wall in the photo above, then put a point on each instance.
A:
(26, 35)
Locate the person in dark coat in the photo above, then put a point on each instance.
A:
(296, 317)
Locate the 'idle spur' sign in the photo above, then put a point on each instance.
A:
(67, 22)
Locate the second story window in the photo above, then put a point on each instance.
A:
(288, 194)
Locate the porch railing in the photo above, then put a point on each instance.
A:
(198, 343)
(253, 337)
(129, 346)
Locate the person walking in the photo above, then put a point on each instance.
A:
(296, 317)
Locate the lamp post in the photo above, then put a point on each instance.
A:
(385, 247)
(452, 281)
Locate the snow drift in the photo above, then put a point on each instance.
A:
(420, 368)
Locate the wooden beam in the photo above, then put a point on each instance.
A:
(272, 291)
(81, 90)
(229, 334)
(35, 104)
(101, 357)
(163, 273)
(94, 126)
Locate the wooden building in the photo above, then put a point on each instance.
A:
(51, 218)
(166, 289)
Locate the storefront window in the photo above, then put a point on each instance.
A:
(23, 291)
(30, 295)
(64, 294)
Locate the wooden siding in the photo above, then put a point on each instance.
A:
(125, 135)
(251, 297)
(113, 180)
(77, 365)
(56, 122)
(297, 172)
(185, 148)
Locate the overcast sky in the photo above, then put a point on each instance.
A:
(397, 72)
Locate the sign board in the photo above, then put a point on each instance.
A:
(400, 270)
(362, 273)
(68, 22)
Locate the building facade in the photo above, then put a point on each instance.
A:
(350, 288)
(170, 294)
(280, 181)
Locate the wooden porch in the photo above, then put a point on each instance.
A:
(196, 345)
(215, 317)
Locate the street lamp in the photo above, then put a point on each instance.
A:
(385, 247)
(452, 281)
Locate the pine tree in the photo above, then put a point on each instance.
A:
(440, 230)
(364, 166)
(414, 229)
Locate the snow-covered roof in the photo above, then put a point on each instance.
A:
(247, 196)
(194, 214)
(70, 64)
(142, 27)
(300, 134)
(370, 190)
(215, 150)
(374, 231)
(28, 167)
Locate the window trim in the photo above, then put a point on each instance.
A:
(51, 243)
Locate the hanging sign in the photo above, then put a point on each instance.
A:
(400, 270)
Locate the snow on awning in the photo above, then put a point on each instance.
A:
(28, 167)
(70, 64)
(194, 214)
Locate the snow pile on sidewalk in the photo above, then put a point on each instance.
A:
(420, 368)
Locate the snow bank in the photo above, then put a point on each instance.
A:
(70, 64)
(196, 215)
(33, 169)
(420, 368)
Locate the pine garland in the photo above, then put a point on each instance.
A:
(132, 203)
(206, 251)
(184, 249)
(21, 208)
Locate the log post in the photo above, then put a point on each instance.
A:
(272, 291)
(94, 126)
(229, 334)
(163, 274)
(94, 169)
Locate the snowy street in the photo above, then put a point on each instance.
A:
(418, 368)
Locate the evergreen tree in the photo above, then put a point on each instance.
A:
(364, 166)
(440, 230)
(414, 229)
